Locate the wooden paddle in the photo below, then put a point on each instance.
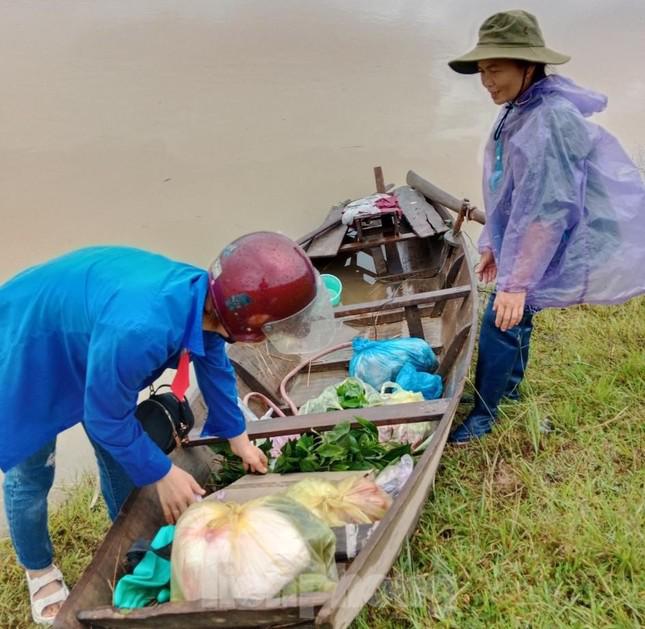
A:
(433, 193)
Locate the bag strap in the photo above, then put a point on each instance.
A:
(181, 381)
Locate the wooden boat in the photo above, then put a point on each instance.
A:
(407, 277)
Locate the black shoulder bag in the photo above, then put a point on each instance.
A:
(167, 417)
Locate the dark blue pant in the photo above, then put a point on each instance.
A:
(502, 361)
(26, 487)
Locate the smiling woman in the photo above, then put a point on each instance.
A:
(561, 196)
(506, 79)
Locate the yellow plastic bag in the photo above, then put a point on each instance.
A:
(355, 500)
(393, 393)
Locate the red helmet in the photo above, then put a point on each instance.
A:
(260, 281)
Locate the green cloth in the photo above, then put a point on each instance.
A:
(508, 35)
(150, 580)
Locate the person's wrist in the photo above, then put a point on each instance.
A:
(239, 444)
(167, 474)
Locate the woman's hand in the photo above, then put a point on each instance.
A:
(253, 459)
(177, 491)
(509, 308)
(486, 269)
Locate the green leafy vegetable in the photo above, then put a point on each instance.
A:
(231, 468)
(342, 448)
(351, 394)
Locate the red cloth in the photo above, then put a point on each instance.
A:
(181, 381)
(388, 202)
(389, 205)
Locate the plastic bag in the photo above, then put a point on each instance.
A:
(414, 434)
(323, 403)
(390, 393)
(394, 393)
(357, 499)
(276, 442)
(376, 362)
(250, 552)
(429, 384)
(249, 415)
(393, 477)
(329, 399)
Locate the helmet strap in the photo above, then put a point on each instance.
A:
(228, 339)
(212, 323)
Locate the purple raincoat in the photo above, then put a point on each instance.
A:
(565, 204)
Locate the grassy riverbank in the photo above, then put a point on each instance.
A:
(540, 524)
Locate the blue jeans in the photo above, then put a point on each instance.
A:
(26, 487)
(501, 363)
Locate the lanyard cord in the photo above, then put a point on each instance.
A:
(500, 126)
(509, 107)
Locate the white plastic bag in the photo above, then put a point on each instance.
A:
(393, 477)
(249, 552)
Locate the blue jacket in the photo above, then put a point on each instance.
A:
(83, 334)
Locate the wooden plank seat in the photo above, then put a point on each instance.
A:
(421, 216)
(415, 299)
(380, 415)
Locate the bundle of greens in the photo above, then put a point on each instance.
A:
(354, 393)
(342, 448)
(230, 466)
(351, 394)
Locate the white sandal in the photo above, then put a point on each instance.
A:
(38, 583)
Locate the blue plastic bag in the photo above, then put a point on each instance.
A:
(429, 384)
(376, 362)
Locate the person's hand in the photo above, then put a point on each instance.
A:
(509, 309)
(486, 269)
(177, 491)
(253, 459)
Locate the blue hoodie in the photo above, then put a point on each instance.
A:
(83, 334)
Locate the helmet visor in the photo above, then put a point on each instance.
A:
(312, 329)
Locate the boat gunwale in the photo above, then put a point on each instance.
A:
(336, 609)
(109, 614)
(338, 612)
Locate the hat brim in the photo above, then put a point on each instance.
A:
(467, 64)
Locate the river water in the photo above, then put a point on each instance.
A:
(177, 126)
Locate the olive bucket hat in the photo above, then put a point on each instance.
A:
(508, 35)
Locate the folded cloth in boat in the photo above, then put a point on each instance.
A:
(150, 579)
(373, 205)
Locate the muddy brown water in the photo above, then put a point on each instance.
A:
(177, 126)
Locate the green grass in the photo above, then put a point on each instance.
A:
(538, 525)
(76, 530)
(541, 524)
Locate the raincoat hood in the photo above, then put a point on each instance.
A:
(586, 101)
(565, 204)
